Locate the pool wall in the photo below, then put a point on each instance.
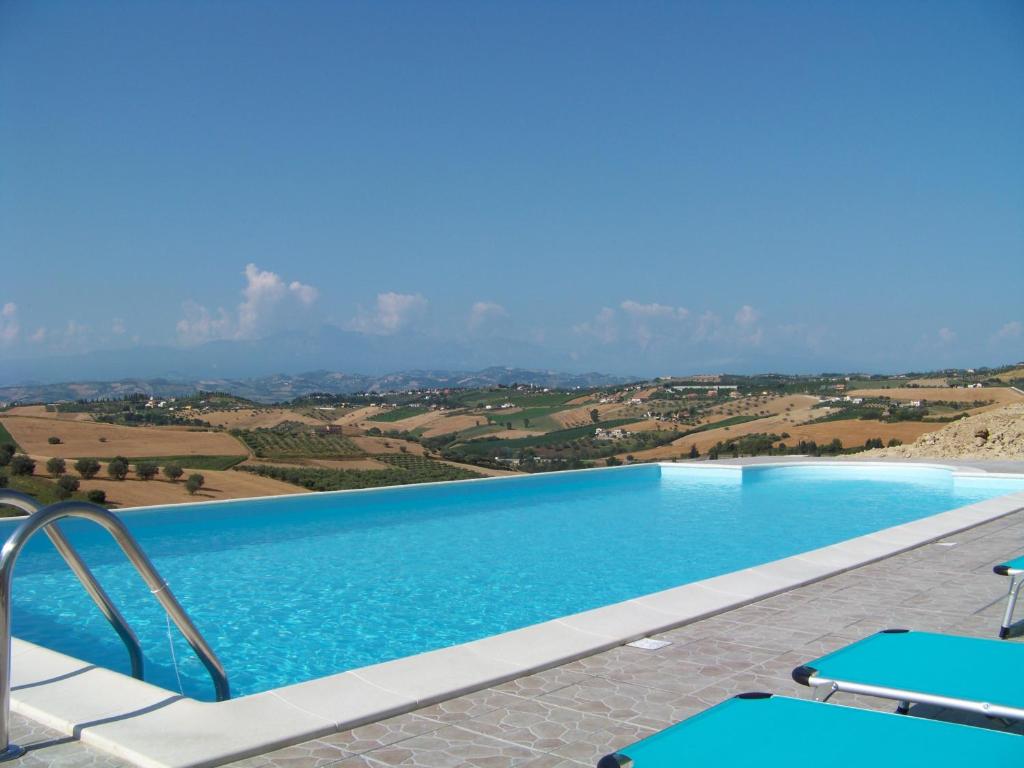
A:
(150, 726)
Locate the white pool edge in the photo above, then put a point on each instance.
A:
(150, 726)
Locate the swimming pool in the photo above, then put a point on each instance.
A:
(296, 588)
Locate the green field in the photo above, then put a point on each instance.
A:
(42, 488)
(485, 447)
(539, 416)
(404, 470)
(397, 414)
(296, 444)
(7, 437)
(474, 398)
(730, 422)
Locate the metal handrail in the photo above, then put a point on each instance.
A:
(113, 525)
(99, 596)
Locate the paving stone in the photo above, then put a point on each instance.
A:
(376, 735)
(451, 747)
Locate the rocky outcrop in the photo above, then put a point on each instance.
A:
(997, 434)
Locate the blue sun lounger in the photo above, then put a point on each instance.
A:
(965, 673)
(1014, 569)
(765, 730)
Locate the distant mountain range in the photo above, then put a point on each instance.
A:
(324, 348)
(283, 387)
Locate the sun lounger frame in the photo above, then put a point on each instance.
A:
(1016, 582)
(824, 687)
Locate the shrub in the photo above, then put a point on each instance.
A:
(895, 442)
(96, 496)
(6, 451)
(694, 453)
(53, 440)
(87, 468)
(66, 486)
(22, 465)
(173, 472)
(56, 466)
(146, 470)
(3, 481)
(118, 468)
(611, 461)
(194, 483)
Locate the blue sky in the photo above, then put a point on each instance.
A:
(630, 187)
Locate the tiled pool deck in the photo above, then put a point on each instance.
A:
(572, 714)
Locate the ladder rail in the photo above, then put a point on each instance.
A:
(119, 532)
(99, 595)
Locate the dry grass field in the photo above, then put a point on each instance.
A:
(1000, 395)
(39, 411)
(455, 423)
(88, 438)
(133, 492)
(580, 417)
(379, 445)
(1016, 373)
(582, 400)
(851, 431)
(256, 418)
(359, 416)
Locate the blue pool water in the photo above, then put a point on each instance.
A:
(290, 589)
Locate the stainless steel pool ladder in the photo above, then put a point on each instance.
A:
(45, 518)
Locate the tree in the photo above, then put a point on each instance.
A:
(611, 461)
(595, 415)
(96, 496)
(66, 486)
(118, 468)
(87, 468)
(146, 470)
(22, 465)
(173, 472)
(894, 442)
(3, 481)
(508, 425)
(694, 453)
(56, 467)
(194, 483)
(53, 440)
(526, 423)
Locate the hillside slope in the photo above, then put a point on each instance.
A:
(995, 434)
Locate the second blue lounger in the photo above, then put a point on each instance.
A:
(766, 731)
(965, 673)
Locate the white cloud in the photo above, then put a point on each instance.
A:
(117, 327)
(482, 311)
(746, 316)
(9, 325)
(199, 324)
(1011, 330)
(265, 293)
(603, 327)
(39, 336)
(947, 335)
(392, 312)
(637, 309)
(708, 327)
(268, 303)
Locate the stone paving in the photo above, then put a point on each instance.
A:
(571, 715)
